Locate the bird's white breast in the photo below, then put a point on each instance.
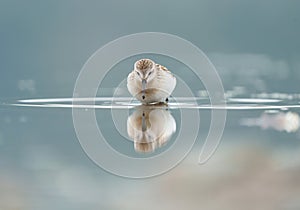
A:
(157, 90)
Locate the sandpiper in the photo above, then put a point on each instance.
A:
(150, 82)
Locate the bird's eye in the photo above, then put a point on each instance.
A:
(150, 73)
(138, 73)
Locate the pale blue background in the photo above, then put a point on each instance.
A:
(43, 46)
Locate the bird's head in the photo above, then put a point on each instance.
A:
(145, 69)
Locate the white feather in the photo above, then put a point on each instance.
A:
(157, 90)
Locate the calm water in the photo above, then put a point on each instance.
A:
(259, 150)
(255, 49)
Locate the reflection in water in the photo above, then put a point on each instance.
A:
(280, 121)
(150, 127)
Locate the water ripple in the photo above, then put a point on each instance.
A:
(179, 103)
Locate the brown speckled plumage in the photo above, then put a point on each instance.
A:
(144, 64)
(159, 82)
(160, 67)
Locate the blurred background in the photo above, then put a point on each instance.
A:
(256, 50)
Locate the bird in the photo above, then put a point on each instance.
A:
(150, 82)
(150, 127)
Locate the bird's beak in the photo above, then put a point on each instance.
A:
(144, 83)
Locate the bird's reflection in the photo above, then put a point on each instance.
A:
(281, 121)
(150, 127)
